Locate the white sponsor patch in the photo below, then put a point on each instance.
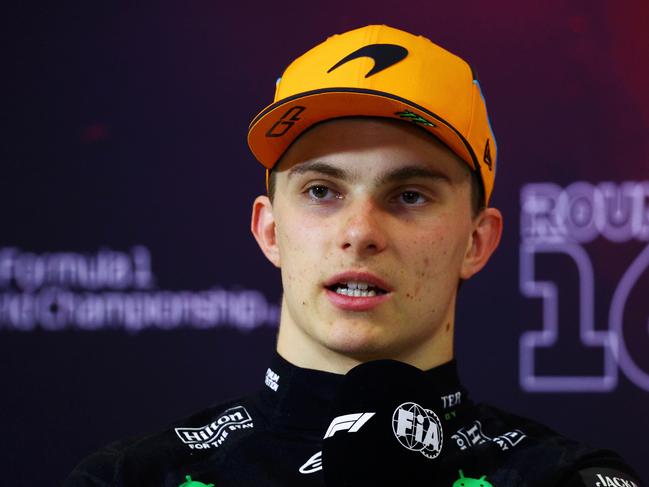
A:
(272, 379)
(418, 429)
(606, 481)
(214, 434)
(472, 435)
(451, 400)
(313, 464)
(606, 477)
(348, 422)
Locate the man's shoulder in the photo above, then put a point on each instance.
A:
(206, 435)
(531, 446)
(520, 431)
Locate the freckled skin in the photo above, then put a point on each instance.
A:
(362, 223)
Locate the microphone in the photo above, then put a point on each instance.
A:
(384, 430)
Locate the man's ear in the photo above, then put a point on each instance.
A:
(487, 230)
(262, 225)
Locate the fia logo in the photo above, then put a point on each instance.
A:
(418, 429)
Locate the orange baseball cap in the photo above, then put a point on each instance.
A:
(380, 71)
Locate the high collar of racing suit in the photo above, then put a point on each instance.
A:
(298, 398)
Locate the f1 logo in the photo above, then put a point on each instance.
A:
(285, 122)
(348, 422)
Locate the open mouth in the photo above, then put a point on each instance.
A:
(357, 289)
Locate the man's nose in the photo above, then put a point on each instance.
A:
(363, 230)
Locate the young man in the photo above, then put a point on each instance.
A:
(381, 163)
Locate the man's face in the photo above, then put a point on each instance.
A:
(371, 225)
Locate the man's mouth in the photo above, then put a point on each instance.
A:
(357, 289)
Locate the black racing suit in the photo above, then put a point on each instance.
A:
(274, 438)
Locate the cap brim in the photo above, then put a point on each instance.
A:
(275, 128)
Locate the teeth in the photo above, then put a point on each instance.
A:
(357, 285)
(357, 293)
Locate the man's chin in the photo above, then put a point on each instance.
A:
(361, 347)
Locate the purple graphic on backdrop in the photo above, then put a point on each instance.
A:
(560, 221)
(110, 289)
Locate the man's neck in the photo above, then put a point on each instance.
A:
(303, 351)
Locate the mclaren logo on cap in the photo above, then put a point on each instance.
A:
(384, 56)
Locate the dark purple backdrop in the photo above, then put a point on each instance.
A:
(123, 125)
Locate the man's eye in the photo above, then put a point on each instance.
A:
(412, 197)
(319, 192)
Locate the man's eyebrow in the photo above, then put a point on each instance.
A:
(411, 172)
(401, 174)
(318, 166)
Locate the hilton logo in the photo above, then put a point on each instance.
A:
(214, 434)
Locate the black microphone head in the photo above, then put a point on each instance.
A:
(384, 430)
